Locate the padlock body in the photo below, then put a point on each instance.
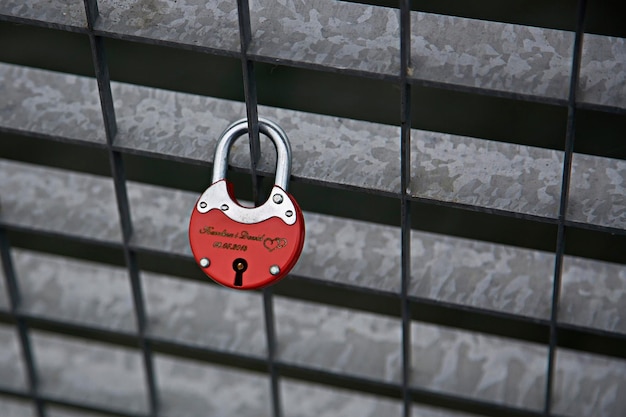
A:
(267, 246)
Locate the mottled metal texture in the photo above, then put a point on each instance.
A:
(349, 252)
(204, 315)
(74, 291)
(593, 294)
(340, 340)
(10, 407)
(598, 191)
(55, 411)
(58, 201)
(306, 399)
(509, 177)
(480, 274)
(59, 13)
(4, 295)
(324, 148)
(192, 389)
(335, 35)
(603, 71)
(503, 58)
(101, 375)
(478, 366)
(161, 218)
(12, 371)
(44, 103)
(589, 385)
(196, 23)
(426, 411)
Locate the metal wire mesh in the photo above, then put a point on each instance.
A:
(377, 318)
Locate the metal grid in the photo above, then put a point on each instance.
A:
(388, 287)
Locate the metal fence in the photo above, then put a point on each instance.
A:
(444, 273)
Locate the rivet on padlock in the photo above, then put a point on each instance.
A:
(247, 247)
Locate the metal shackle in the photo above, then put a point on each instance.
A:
(239, 128)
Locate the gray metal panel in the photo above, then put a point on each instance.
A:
(55, 200)
(204, 315)
(351, 252)
(593, 294)
(74, 291)
(324, 148)
(92, 373)
(63, 12)
(4, 295)
(500, 57)
(54, 411)
(338, 340)
(478, 172)
(598, 191)
(307, 400)
(425, 411)
(479, 366)
(186, 22)
(480, 274)
(336, 35)
(12, 371)
(603, 71)
(589, 385)
(198, 23)
(10, 407)
(43, 102)
(193, 389)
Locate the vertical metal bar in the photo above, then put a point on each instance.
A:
(15, 300)
(119, 180)
(567, 170)
(405, 177)
(250, 92)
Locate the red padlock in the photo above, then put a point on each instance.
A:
(247, 247)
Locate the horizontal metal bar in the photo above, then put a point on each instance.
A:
(500, 178)
(505, 60)
(440, 263)
(77, 405)
(54, 14)
(437, 309)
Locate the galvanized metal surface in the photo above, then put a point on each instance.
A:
(593, 294)
(488, 174)
(335, 35)
(589, 385)
(355, 253)
(12, 371)
(193, 389)
(518, 60)
(305, 399)
(74, 291)
(312, 339)
(479, 366)
(204, 315)
(10, 407)
(96, 374)
(598, 191)
(193, 23)
(69, 13)
(603, 71)
(44, 103)
(452, 52)
(58, 201)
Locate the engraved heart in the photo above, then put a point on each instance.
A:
(276, 243)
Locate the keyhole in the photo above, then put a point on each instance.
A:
(239, 266)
